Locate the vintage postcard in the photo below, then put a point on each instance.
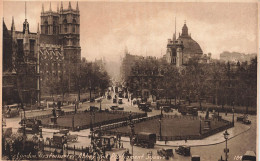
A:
(129, 81)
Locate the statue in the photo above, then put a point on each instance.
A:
(54, 112)
(207, 114)
(59, 104)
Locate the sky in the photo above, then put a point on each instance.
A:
(108, 28)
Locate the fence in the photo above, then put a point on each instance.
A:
(97, 124)
(250, 111)
(107, 129)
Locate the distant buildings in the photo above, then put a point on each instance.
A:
(127, 63)
(235, 56)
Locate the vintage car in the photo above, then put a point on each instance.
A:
(183, 150)
(11, 110)
(68, 136)
(93, 108)
(108, 142)
(116, 108)
(144, 139)
(114, 100)
(91, 100)
(167, 153)
(32, 126)
(246, 121)
(166, 108)
(184, 110)
(120, 94)
(120, 101)
(144, 107)
(195, 158)
(241, 118)
(59, 139)
(249, 156)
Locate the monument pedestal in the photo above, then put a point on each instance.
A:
(59, 112)
(53, 120)
(207, 125)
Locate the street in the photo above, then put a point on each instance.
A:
(245, 141)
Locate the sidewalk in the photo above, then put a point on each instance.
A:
(211, 140)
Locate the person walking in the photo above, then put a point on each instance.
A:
(117, 157)
(108, 157)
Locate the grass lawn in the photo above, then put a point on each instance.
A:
(171, 126)
(81, 119)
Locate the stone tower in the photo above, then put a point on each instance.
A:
(69, 36)
(62, 28)
(63, 25)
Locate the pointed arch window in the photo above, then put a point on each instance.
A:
(54, 27)
(46, 27)
(74, 23)
(65, 26)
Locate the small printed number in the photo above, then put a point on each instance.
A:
(238, 157)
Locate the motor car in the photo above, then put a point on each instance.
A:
(241, 118)
(183, 150)
(249, 156)
(167, 153)
(109, 97)
(11, 110)
(69, 137)
(246, 121)
(114, 100)
(93, 108)
(166, 109)
(120, 101)
(144, 139)
(92, 100)
(116, 108)
(195, 158)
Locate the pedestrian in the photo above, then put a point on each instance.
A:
(108, 157)
(117, 157)
(185, 140)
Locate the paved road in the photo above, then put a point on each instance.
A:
(238, 145)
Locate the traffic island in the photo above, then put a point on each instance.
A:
(85, 119)
(173, 127)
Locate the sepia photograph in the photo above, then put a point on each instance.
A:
(130, 81)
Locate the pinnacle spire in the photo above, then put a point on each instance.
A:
(38, 28)
(42, 8)
(61, 6)
(25, 11)
(58, 7)
(13, 27)
(174, 35)
(77, 8)
(50, 6)
(69, 5)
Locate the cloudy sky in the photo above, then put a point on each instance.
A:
(107, 28)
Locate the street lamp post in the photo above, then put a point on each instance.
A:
(233, 111)
(226, 150)
(160, 132)
(100, 105)
(131, 124)
(200, 126)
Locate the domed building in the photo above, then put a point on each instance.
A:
(181, 50)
